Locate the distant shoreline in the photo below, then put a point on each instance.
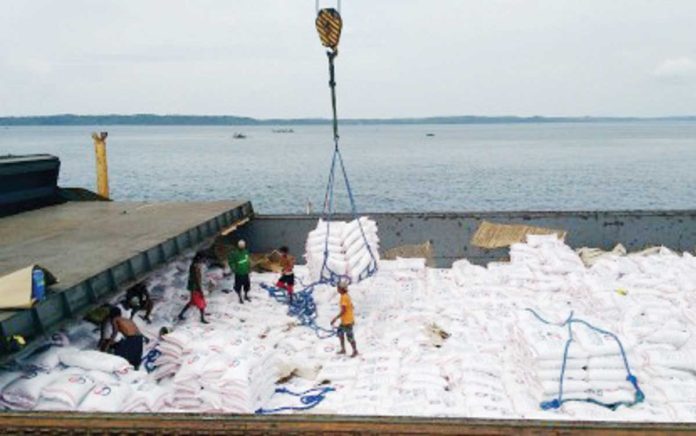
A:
(229, 120)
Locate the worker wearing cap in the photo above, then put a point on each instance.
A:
(240, 264)
(347, 319)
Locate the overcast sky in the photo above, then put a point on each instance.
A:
(398, 58)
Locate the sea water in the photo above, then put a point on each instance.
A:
(578, 166)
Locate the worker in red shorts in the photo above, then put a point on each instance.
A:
(195, 286)
(287, 275)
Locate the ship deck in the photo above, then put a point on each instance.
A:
(97, 248)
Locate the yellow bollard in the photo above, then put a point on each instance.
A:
(102, 169)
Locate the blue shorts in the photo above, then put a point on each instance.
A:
(346, 329)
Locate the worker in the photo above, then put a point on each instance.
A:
(131, 346)
(287, 275)
(347, 319)
(137, 299)
(103, 313)
(195, 287)
(240, 264)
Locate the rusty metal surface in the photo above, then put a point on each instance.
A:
(451, 233)
(173, 424)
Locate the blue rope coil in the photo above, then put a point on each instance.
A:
(309, 399)
(557, 402)
(303, 308)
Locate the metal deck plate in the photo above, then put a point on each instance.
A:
(97, 248)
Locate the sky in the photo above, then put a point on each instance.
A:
(397, 58)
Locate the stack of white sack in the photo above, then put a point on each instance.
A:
(325, 244)
(171, 347)
(150, 397)
(24, 392)
(479, 378)
(543, 263)
(107, 397)
(492, 362)
(65, 377)
(92, 360)
(594, 365)
(655, 324)
(208, 371)
(67, 391)
(346, 249)
(549, 254)
(361, 245)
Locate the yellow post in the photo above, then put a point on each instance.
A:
(102, 170)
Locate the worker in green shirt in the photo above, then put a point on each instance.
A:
(240, 264)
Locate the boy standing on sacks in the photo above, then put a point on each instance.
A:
(287, 275)
(347, 319)
(240, 264)
(195, 287)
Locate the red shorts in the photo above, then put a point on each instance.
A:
(197, 299)
(287, 282)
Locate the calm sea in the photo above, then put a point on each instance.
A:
(636, 165)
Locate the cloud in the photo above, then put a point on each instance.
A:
(679, 70)
(22, 65)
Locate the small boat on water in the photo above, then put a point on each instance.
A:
(239, 136)
(429, 134)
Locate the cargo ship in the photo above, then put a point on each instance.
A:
(98, 248)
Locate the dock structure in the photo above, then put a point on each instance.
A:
(97, 248)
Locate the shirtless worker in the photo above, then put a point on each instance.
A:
(347, 319)
(131, 346)
(287, 275)
(105, 324)
(195, 286)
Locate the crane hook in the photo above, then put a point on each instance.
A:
(329, 25)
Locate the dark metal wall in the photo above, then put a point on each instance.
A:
(28, 182)
(450, 233)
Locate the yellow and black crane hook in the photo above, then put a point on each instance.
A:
(329, 25)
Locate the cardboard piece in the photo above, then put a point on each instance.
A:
(261, 262)
(424, 250)
(490, 235)
(16, 288)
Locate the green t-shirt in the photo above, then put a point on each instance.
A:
(240, 262)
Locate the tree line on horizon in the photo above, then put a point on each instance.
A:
(231, 120)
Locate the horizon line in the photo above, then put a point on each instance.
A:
(410, 117)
